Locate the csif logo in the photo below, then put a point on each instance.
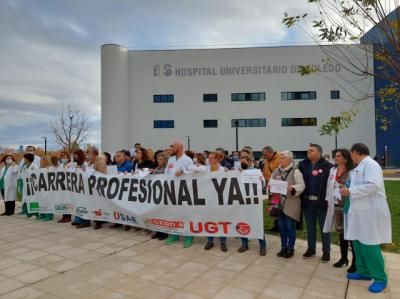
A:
(165, 70)
(81, 211)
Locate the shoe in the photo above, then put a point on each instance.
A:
(97, 226)
(281, 253)
(357, 276)
(115, 225)
(263, 251)
(4, 214)
(74, 223)
(289, 254)
(162, 236)
(340, 263)
(326, 257)
(243, 248)
(309, 254)
(188, 241)
(154, 236)
(127, 228)
(377, 286)
(171, 240)
(209, 245)
(83, 225)
(223, 247)
(352, 268)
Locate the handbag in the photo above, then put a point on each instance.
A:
(275, 204)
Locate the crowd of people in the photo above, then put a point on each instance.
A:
(347, 196)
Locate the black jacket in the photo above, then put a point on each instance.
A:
(323, 167)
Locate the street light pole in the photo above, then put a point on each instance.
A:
(45, 145)
(237, 134)
(188, 142)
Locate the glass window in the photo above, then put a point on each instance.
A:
(210, 97)
(298, 95)
(248, 123)
(299, 155)
(210, 123)
(299, 122)
(335, 94)
(250, 96)
(164, 124)
(163, 98)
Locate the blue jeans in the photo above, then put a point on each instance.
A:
(262, 242)
(313, 214)
(287, 230)
(221, 239)
(79, 220)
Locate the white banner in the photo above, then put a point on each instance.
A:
(203, 204)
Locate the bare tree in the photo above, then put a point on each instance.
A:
(345, 22)
(70, 128)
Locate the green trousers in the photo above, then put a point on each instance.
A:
(369, 261)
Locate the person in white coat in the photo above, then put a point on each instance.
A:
(28, 165)
(368, 221)
(30, 149)
(8, 183)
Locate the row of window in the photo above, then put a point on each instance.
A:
(245, 123)
(251, 96)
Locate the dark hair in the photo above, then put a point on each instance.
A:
(29, 157)
(268, 149)
(54, 160)
(317, 146)
(145, 154)
(190, 154)
(81, 157)
(6, 156)
(347, 156)
(156, 154)
(30, 146)
(64, 153)
(108, 156)
(137, 144)
(200, 158)
(127, 153)
(360, 148)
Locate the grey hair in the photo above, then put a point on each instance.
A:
(287, 154)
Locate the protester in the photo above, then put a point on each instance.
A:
(142, 160)
(8, 183)
(291, 204)
(339, 175)
(91, 155)
(81, 165)
(177, 164)
(315, 170)
(108, 158)
(64, 159)
(214, 159)
(225, 162)
(199, 159)
(246, 163)
(30, 149)
(27, 165)
(100, 167)
(45, 163)
(161, 163)
(367, 218)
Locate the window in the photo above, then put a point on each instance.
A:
(298, 95)
(335, 94)
(210, 97)
(164, 124)
(248, 97)
(250, 122)
(299, 155)
(163, 98)
(299, 122)
(210, 123)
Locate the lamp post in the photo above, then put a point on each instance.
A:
(45, 145)
(237, 134)
(188, 142)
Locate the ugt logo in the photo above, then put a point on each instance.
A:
(166, 70)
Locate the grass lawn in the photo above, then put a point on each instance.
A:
(393, 194)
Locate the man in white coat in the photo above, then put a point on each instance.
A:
(30, 149)
(368, 222)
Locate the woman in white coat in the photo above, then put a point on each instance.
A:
(368, 221)
(27, 165)
(8, 183)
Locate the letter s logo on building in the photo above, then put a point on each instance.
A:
(167, 70)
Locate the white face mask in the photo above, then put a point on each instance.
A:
(9, 161)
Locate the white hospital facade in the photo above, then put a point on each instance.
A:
(155, 97)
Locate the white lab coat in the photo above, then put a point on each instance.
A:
(36, 161)
(330, 198)
(10, 182)
(368, 220)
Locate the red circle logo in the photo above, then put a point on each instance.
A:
(243, 228)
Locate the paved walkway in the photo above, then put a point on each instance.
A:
(52, 260)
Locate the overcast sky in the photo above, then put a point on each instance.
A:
(50, 49)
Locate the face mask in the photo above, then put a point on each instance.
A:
(244, 166)
(236, 158)
(195, 160)
(64, 161)
(9, 161)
